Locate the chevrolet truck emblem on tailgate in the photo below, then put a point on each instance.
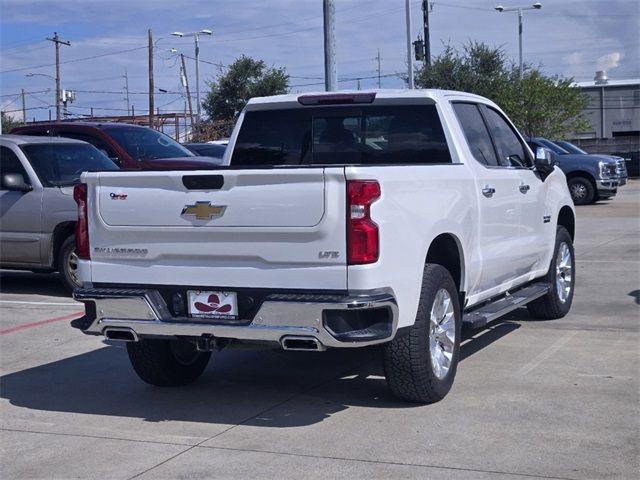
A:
(204, 210)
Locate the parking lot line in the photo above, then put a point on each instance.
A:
(74, 304)
(26, 326)
(545, 354)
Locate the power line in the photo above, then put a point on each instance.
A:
(34, 67)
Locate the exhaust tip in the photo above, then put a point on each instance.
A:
(121, 334)
(309, 344)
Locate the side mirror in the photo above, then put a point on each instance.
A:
(15, 182)
(543, 162)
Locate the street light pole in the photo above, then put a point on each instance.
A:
(407, 7)
(196, 36)
(535, 6)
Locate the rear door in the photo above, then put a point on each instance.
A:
(499, 204)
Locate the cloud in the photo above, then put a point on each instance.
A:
(609, 61)
(576, 58)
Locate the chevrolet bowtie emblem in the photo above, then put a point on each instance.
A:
(204, 210)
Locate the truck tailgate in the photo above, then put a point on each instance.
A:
(226, 228)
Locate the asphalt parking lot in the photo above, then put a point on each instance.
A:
(557, 399)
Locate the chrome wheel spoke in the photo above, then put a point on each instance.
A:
(72, 267)
(442, 333)
(564, 272)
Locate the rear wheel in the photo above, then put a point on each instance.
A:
(582, 191)
(561, 277)
(420, 365)
(68, 264)
(167, 363)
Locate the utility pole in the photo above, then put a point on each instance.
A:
(185, 123)
(330, 69)
(427, 42)
(126, 89)
(407, 5)
(185, 82)
(379, 78)
(56, 40)
(24, 108)
(151, 87)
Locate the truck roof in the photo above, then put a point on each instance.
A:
(380, 94)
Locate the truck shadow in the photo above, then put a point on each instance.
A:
(250, 387)
(29, 283)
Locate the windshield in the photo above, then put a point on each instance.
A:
(147, 144)
(60, 164)
(571, 148)
(552, 146)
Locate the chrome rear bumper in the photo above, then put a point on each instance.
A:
(146, 314)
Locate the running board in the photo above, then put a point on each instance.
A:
(479, 317)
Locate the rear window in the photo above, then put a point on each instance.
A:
(342, 136)
(60, 164)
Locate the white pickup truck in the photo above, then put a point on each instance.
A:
(338, 220)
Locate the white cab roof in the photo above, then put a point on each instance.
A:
(383, 96)
(24, 139)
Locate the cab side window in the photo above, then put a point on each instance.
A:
(10, 163)
(96, 142)
(511, 151)
(476, 133)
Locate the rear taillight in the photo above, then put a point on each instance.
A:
(362, 232)
(82, 226)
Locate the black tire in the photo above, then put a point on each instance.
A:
(167, 363)
(68, 264)
(551, 306)
(582, 191)
(408, 365)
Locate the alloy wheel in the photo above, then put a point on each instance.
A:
(442, 333)
(564, 272)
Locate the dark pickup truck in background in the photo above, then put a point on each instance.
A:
(621, 164)
(131, 147)
(590, 177)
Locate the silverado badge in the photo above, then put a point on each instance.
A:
(204, 210)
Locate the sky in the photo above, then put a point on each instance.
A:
(571, 38)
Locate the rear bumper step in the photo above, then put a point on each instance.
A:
(297, 322)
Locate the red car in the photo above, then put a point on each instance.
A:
(131, 147)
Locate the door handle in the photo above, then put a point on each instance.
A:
(488, 191)
(524, 188)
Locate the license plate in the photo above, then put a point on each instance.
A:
(208, 304)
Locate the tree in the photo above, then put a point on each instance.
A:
(537, 104)
(478, 69)
(544, 106)
(245, 78)
(8, 122)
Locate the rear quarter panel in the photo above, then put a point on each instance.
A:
(417, 204)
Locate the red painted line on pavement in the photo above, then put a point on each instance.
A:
(26, 326)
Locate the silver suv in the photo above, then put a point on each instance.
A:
(37, 210)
